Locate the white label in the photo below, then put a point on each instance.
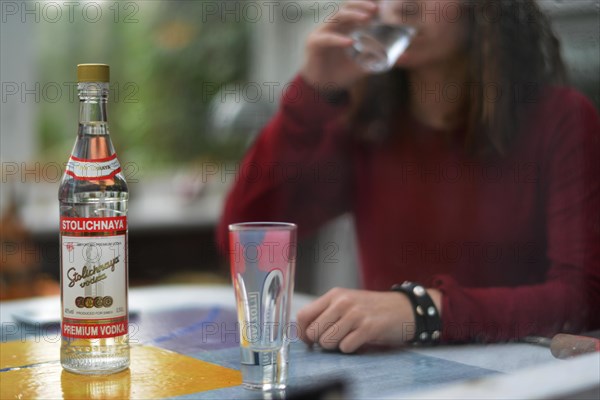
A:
(104, 168)
(94, 277)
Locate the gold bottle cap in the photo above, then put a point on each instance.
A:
(93, 73)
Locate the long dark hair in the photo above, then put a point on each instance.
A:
(511, 50)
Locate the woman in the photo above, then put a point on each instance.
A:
(468, 168)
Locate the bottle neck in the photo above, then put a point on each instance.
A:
(93, 97)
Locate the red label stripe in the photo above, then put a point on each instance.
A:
(95, 160)
(91, 331)
(110, 224)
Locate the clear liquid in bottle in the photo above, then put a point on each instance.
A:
(93, 197)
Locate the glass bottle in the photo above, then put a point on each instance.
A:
(93, 199)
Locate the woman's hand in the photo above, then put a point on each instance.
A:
(327, 65)
(346, 319)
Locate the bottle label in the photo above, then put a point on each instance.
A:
(94, 277)
(102, 168)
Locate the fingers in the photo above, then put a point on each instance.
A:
(329, 39)
(329, 319)
(353, 340)
(326, 322)
(351, 14)
(368, 6)
(335, 334)
(308, 314)
(346, 319)
(327, 60)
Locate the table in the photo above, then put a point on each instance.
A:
(184, 345)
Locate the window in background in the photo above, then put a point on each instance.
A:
(167, 58)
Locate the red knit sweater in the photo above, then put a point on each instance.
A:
(512, 242)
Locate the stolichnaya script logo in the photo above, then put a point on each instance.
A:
(91, 274)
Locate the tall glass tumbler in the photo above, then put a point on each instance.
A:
(263, 263)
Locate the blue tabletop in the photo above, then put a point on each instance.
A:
(200, 322)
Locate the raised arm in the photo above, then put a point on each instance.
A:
(298, 169)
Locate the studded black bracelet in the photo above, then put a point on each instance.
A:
(428, 323)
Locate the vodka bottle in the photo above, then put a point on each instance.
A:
(93, 240)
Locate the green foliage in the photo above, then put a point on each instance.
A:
(163, 57)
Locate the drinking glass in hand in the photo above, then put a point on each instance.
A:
(378, 46)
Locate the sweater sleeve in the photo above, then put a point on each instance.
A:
(298, 168)
(569, 298)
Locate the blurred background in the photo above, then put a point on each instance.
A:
(192, 83)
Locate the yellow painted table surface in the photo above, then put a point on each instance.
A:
(32, 370)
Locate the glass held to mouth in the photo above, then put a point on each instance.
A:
(379, 45)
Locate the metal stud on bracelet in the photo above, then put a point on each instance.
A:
(428, 323)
